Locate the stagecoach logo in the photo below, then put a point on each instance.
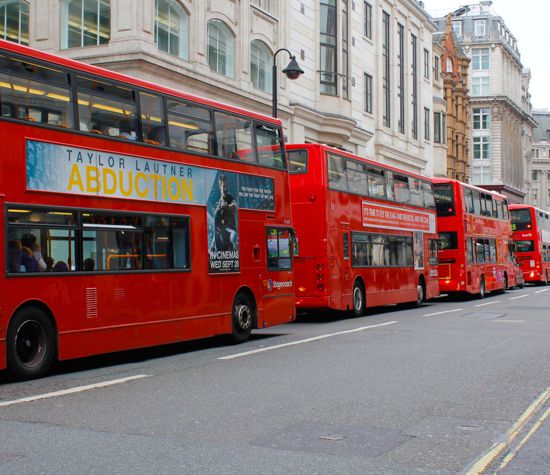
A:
(275, 284)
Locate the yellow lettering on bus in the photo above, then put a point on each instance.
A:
(92, 181)
(125, 192)
(109, 181)
(141, 176)
(173, 183)
(186, 190)
(75, 179)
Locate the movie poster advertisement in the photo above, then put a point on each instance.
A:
(418, 250)
(223, 224)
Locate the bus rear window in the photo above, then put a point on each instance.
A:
(444, 200)
(521, 219)
(447, 240)
(297, 161)
(525, 246)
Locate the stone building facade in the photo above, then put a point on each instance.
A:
(367, 85)
(501, 111)
(540, 162)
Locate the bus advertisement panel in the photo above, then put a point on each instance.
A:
(531, 235)
(133, 214)
(474, 238)
(366, 232)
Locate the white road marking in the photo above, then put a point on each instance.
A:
(441, 313)
(541, 291)
(488, 303)
(307, 340)
(519, 297)
(509, 321)
(74, 390)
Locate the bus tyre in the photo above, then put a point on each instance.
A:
(482, 289)
(358, 299)
(30, 344)
(243, 318)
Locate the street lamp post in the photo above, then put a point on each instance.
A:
(292, 71)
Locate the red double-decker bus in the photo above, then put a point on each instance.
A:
(366, 232)
(531, 235)
(474, 238)
(133, 214)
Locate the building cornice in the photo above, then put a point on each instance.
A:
(332, 128)
(477, 100)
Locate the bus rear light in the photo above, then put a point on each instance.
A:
(321, 287)
(320, 276)
(301, 289)
(532, 275)
(320, 267)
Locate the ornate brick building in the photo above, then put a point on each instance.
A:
(454, 72)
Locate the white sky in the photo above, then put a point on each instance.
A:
(528, 22)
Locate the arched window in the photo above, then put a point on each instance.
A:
(14, 21)
(85, 23)
(261, 62)
(171, 28)
(221, 48)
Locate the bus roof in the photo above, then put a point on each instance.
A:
(356, 157)
(130, 80)
(468, 185)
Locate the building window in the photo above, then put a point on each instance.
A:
(457, 28)
(426, 123)
(438, 138)
(14, 21)
(328, 47)
(386, 70)
(368, 93)
(345, 50)
(221, 48)
(426, 64)
(480, 59)
(480, 27)
(401, 79)
(414, 67)
(481, 148)
(535, 197)
(261, 62)
(481, 118)
(436, 68)
(368, 20)
(265, 5)
(444, 127)
(171, 28)
(85, 23)
(480, 86)
(535, 175)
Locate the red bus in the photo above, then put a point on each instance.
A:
(365, 232)
(474, 239)
(531, 235)
(133, 215)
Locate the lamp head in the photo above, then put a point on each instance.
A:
(293, 70)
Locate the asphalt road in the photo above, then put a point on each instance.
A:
(456, 386)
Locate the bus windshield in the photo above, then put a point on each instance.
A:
(444, 199)
(521, 219)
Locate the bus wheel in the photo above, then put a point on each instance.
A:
(243, 318)
(358, 299)
(30, 344)
(482, 289)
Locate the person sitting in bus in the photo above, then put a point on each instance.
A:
(49, 263)
(37, 254)
(14, 255)
(155, 136)
(60, 266)
(88, 264)
(125, 130)
(28, 262)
